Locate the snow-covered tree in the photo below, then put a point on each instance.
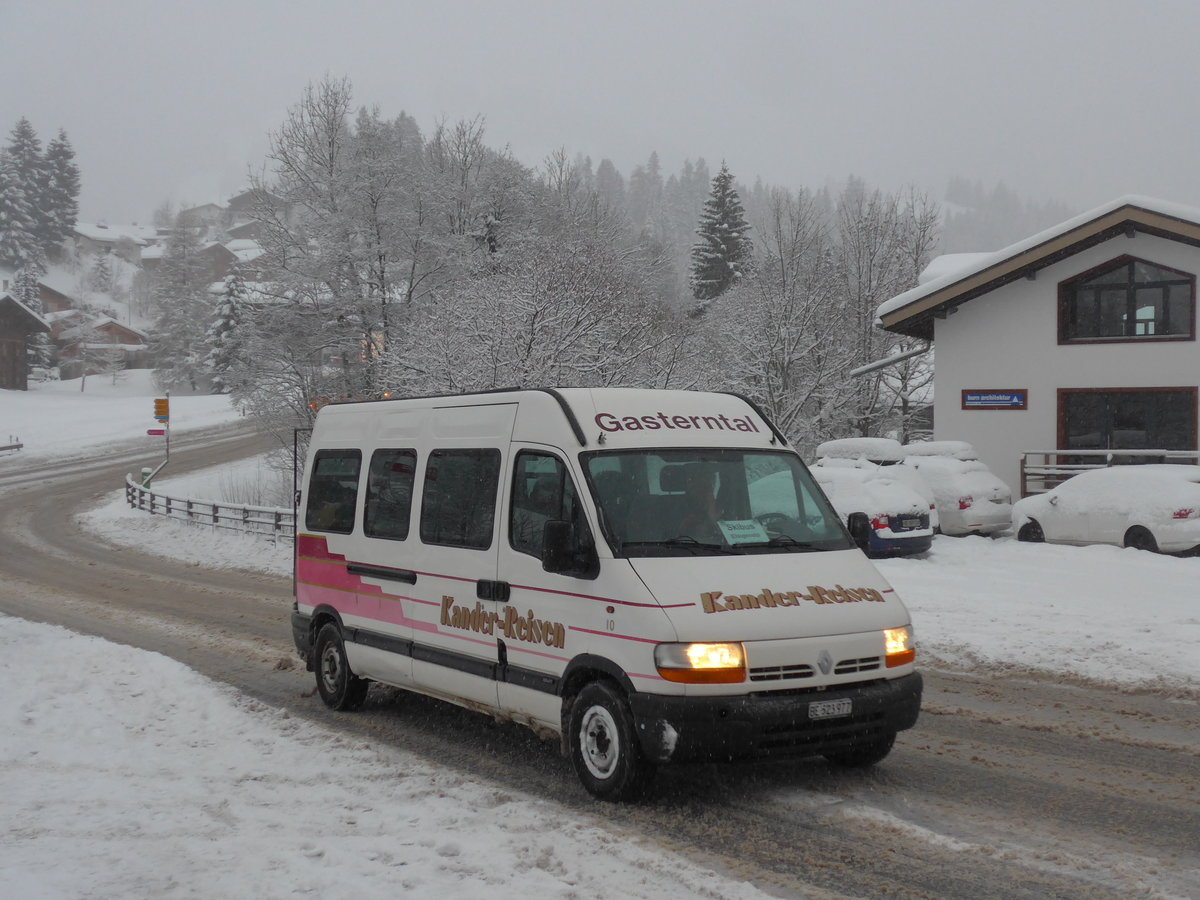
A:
(723, 251)
(184, 309)
(62, 198)
(223, 337)
(19, 245)
(40, 352)
(24, 153)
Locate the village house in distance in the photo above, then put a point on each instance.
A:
(1081, 337)
(94, 327)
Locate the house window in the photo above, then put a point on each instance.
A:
(1128, 300)
(1139, 419)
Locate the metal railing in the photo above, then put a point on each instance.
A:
(1044, 470)
(268, 521)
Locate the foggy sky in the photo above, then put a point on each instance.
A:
(1070, 100)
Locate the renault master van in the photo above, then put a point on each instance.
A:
(649, 577)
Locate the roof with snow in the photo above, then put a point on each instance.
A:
(965, 276)
(36, 322)
(105, 233)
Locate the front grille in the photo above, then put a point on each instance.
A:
(781, 673)
(851, 666)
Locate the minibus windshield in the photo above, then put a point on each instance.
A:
(701, 502)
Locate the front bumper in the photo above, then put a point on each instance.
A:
(771, 724)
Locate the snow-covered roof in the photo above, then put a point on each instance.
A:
(9, 298)
(949, 264)
(244, 249)
(961, 279)
(109, 320)
(105, 233)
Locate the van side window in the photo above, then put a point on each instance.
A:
(389, 494)
(333, 491)
(542, 490)
(458, 502)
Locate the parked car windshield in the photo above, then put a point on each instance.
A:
(694, 502)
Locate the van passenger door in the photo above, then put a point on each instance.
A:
(459, 602)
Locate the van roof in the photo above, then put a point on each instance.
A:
(586, 417)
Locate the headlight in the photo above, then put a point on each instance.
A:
(898, 646)
(701, 663)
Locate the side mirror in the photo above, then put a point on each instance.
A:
(859, 527)
(563, 555)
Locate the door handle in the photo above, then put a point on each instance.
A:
(498, 591)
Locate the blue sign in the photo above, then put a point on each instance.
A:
(996, 399)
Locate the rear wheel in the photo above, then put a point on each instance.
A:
(1031, 532)
(1140, 538)
(866, 753)
(338, 686)
(604, 747)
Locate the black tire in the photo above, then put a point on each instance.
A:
(1031, 532)
(1140, 538)
(867, 753)
(339, 687)
(604, 747)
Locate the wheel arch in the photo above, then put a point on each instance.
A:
(583, 670)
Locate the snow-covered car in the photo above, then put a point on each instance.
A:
(970, 499)
(892, 520)
(883, 455)
(1150, 507)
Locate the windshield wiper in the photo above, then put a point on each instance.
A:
(687, 543)
(782, 540)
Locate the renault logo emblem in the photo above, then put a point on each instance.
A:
(825, 662)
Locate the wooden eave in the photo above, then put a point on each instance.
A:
(35, 322)
(916, 318)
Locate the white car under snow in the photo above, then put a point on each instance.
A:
(964, 496)
(1150, 507)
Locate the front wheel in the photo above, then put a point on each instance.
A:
(604, 748)
(1141, 539)
(1032, 532)
(867, 753)
(338, 686)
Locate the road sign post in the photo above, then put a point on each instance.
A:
(162, 412)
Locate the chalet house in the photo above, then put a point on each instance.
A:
(89, 345)
(52, 300)
(1079, 338)
(218, 257)
(99, 238)
(17, 323)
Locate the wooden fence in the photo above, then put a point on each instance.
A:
(268, 521)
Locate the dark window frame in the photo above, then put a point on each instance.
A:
(312, 495)
(370, 507)
(1069, 301)
(1191, 391)
(564, 479)
(439, 538)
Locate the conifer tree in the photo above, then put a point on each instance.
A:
(723, 252)
(24, 152)
(62, 196)
(25, 289)
(184, 310)
(19, 245)
(222, 337)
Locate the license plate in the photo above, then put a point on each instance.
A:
(829, 709)
(910, 523)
